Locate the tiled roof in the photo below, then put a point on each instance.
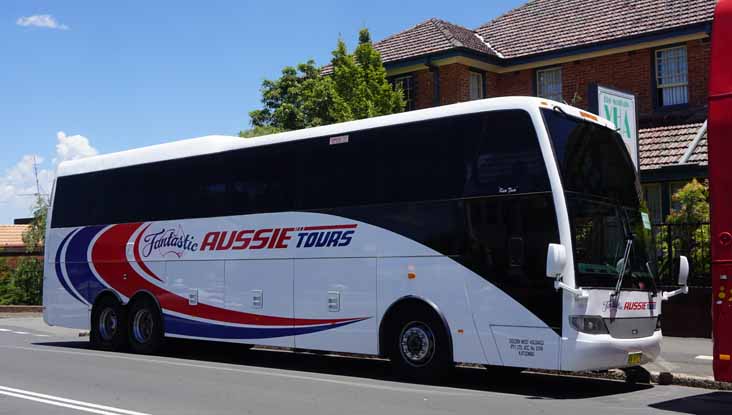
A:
(433, 35)
(430, 36)
(547, 25)
(11, 236)
(664, 146)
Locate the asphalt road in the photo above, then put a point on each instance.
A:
(688, 356)
(51, 371)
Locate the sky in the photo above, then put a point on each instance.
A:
(79, 78)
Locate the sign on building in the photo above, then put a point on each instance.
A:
(620, 108)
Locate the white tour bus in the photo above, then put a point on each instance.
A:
(503, 232)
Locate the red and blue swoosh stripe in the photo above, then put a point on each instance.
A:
(104, 249)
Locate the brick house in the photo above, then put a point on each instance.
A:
(656, 49)
(11, 243)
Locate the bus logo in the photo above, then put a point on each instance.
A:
(169, 242)
(329, 236)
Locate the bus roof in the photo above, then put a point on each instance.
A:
(219, 143)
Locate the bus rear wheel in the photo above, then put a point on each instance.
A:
(418, 346)
(108, 325)
(145, 326)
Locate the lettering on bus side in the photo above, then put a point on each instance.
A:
(279, 238)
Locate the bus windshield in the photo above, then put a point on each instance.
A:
(605, 210)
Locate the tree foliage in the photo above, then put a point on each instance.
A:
(687, 231)
(23, 283)
(35, 236)
(302, 97)
(259, 131)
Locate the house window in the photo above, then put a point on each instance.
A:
(476, 85)
(674, 187)
(406, 83)
(654, 201)
(672, 80)
(549, 83)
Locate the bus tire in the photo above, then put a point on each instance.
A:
(108, 324)
(145, 330)
(418, 345)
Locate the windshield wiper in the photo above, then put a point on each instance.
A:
(623, 266)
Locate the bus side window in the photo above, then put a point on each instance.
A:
(337, 174)
(508, 158)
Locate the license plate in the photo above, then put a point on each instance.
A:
(634, 359)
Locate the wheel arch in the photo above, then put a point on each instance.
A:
(406, 301)
(147, 294)
(107, 293)
(142, 294)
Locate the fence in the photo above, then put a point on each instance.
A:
(689, 239)
(685, 315)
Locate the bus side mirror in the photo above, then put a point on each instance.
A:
(683, 271)
(556, 260)
(683, 280)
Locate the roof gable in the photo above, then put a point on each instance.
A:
(430, 36)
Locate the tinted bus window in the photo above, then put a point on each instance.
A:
(508, 158)
(449, 158)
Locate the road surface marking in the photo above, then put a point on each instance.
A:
(4, 330)
(702, 357)
(280, 373)
(42, 335)
(21, 332)
(65, 403)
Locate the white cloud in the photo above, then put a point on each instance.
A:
(72, 147)
(41, 20)
(18, 184)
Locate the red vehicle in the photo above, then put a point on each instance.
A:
(720, 179)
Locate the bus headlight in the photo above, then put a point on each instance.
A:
(588, 324)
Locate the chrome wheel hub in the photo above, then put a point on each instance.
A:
(108, 324)
(142, 326)
(417, 344)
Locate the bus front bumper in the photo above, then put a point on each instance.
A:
(599, 352)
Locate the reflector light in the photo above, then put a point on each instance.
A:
(588, 115)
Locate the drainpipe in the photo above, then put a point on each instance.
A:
(689, 151)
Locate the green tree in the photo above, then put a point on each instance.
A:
(688, 232)
(23, 283)
(35, 236)
(259, 131)
(302, 97)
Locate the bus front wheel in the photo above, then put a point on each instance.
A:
(108, 325)
(145, 326)
(418, 346)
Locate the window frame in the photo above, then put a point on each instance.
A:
(481, 88)
(409, 95)
(659, 201)
(657, 88)
(538, 85)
